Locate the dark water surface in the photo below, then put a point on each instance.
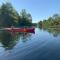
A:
(43, 45)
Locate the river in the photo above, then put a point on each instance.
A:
(44, 44)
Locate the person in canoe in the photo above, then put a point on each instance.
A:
(12, 28)
(24, 29)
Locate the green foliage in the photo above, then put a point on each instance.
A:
(53, 21)
(35, 24)
(40, 24)
(9, 16)
(25, 18)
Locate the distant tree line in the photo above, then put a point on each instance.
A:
(51, 22)
(9, 16)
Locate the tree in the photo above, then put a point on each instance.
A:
(56, 16)
(40, 24)
(25, 18)
(53, 21)
(8, 15)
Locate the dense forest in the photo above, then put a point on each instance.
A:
(51, 22)
(9, 16)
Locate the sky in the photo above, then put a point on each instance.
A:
(39, 9)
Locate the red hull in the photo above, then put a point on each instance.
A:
(31, 30)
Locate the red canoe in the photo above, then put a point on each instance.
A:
(31, 30)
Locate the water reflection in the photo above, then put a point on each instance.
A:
(9, 39)
(26, 36)
(44, 45)
(55, 32)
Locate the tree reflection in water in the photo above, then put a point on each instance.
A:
(9, 39)
(54, 31)
(25, 37)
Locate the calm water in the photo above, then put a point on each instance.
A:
(43, 45)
